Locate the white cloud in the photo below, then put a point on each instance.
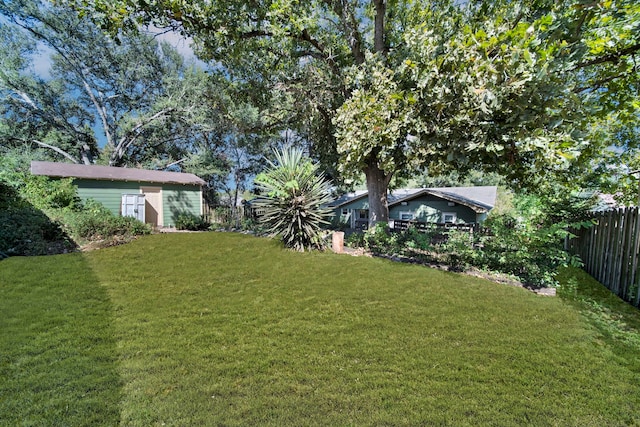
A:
(180, 43)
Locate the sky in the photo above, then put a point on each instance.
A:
(42, 61)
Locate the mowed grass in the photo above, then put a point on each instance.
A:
(226, 329)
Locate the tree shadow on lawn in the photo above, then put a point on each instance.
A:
(58, 355)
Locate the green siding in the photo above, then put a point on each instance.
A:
(426, 208)
(430, 209)
(175, 198)
(361, 203)
(109, 193)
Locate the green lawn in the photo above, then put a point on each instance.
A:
(227, 329)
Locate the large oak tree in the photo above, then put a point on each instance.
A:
(390, 86)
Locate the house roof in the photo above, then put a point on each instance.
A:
(480, 199)
(108, 173)
(347, 198)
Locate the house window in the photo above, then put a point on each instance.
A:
(363, 214)
(449, 217)
(406, 216)
(345, 211)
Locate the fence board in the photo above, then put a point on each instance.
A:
(626, 251)
(610, 251)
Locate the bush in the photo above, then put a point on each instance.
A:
(293, 193)
(355, 240)
(189, 221)
(513, 246)
(44, 193)
(379, 240)
(95, 222)
(27, 231)
(531, 254)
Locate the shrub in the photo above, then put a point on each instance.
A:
(26, 230)
(94, 222)
(516, 246)
(293, 193)
(45, 193)
(379, 240)
(355, 240)
(458, 249)
(189, 221)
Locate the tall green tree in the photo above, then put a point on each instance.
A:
(36, 112)
(395, 85)
(136, 98)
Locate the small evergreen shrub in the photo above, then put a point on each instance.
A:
(379, 240)
(355, 240)
(95, 222)
(189, 221)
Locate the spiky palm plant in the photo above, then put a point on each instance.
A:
(292, 194)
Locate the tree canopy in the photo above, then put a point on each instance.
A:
(131, 102)
(527, 87)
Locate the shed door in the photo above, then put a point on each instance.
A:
(133, 205)
(153, 205)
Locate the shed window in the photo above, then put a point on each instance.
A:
(345, 211)
(363, 214)
(449, 217)
(406, 216)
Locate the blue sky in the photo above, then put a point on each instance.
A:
(42, 61)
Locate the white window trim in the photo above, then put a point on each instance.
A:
(453, 214)
(406, 213)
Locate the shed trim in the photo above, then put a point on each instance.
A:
(110, 173)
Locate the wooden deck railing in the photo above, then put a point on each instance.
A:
(401, 225)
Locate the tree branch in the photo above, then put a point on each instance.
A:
(177, 162)
(612, 57)
(57, 150)
(305, 36)
(99, 106)
(131, 136)
(349, 28)
(598, 83)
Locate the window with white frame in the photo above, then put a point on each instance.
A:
(345, 211)
(449, 217)
(406, 216)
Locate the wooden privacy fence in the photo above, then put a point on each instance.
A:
(610, 251)
(224, 214)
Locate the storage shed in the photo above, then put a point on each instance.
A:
(154, 197)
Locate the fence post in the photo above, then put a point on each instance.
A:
(338, 242)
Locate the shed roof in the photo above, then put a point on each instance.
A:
(480, 199)
(109, 173)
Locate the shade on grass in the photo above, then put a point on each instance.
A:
(58, 354)
(227, 329)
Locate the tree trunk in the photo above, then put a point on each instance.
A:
(378, 38)
(377, 186)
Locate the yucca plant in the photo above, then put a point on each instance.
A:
(292, 194)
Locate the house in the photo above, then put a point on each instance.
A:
(467, 205)
(154, 197)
